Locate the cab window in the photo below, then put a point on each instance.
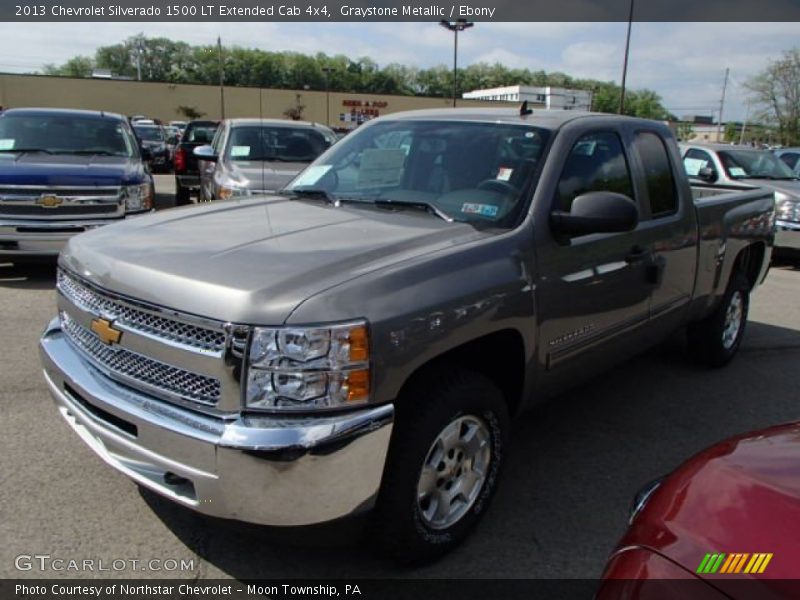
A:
(595, 163)
(660, 184)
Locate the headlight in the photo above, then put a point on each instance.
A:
(787, 208)
(230, 188)
(137, 197)
(308, 368)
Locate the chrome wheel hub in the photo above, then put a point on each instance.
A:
(733, 320)
(453, 472)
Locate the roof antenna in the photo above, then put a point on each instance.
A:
(524, 111)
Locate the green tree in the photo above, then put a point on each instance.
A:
(776, 91)
(685, 131)
(77, 66)
(190, 112)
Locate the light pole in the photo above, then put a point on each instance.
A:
(221, 79)
(625, 63)
(455, 27)
(327, 71)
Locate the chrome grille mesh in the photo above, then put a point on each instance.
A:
(157, 375)
(140, 320)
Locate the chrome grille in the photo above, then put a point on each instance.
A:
(139, 319)
(125, 365)
(22, 201)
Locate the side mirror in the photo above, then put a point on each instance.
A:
(146, 154)
(205, 153)
(596, 212)
(707, 174)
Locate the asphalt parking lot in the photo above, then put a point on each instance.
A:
(575, 462)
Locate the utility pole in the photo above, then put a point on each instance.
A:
(139, 44)
(722, 105)
(221, 79)
(455, 27)
(625, 62)
(744, 124)
(327, 71)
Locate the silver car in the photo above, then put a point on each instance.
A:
(723, 165)
(255, 156)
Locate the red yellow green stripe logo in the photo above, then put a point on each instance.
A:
(734, 562)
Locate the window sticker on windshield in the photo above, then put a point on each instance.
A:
(311, 175)
(737, 171)
(504, 173)
(485, 210)
(381, 167)
(693, 165)
(240, 151)
(6, 144)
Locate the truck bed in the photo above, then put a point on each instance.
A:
(729, 219)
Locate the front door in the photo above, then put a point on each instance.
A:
(594, 290)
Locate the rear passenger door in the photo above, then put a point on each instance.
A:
(667, 226)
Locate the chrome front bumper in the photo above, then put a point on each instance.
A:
(787, 235)
(29, 237)
(272, 471)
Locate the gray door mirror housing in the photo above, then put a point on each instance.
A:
(707, 174)
(205, 153)
(596, 212)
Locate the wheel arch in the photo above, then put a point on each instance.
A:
(499, 356)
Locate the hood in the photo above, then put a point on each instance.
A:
(69, 170)
(790, 187)
(252, 260)
(740, 496)
(265, 175)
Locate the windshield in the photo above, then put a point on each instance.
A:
(470, 171)
(150, 134)
(290, 144)
(65, 134)
(200, 133)
(741, 164)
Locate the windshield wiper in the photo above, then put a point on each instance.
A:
(311, 193)
(90, 152)
(20, 150)
(421, 204)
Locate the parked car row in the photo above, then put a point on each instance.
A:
(332, 328)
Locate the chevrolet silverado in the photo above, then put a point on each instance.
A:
(360, 340)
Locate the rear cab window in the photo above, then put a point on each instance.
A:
(658, 177)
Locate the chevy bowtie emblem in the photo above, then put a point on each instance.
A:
(107, 334)
(49, 201)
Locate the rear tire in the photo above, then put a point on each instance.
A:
(448, 446)
(715, 340)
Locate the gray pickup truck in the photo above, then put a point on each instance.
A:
(361, 340)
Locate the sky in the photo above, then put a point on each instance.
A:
(684, 62)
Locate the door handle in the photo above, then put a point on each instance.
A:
(637, 254)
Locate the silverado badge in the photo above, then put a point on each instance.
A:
(107, 334)
(49, 201)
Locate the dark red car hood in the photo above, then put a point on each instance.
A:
(739, 496)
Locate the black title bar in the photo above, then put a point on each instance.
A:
(399, 10)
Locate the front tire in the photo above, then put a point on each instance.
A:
(715, 340)
(447, 450)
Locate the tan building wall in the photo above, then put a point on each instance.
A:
(161, 100)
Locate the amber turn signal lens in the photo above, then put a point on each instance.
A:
(358, 385)
(359, 344)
